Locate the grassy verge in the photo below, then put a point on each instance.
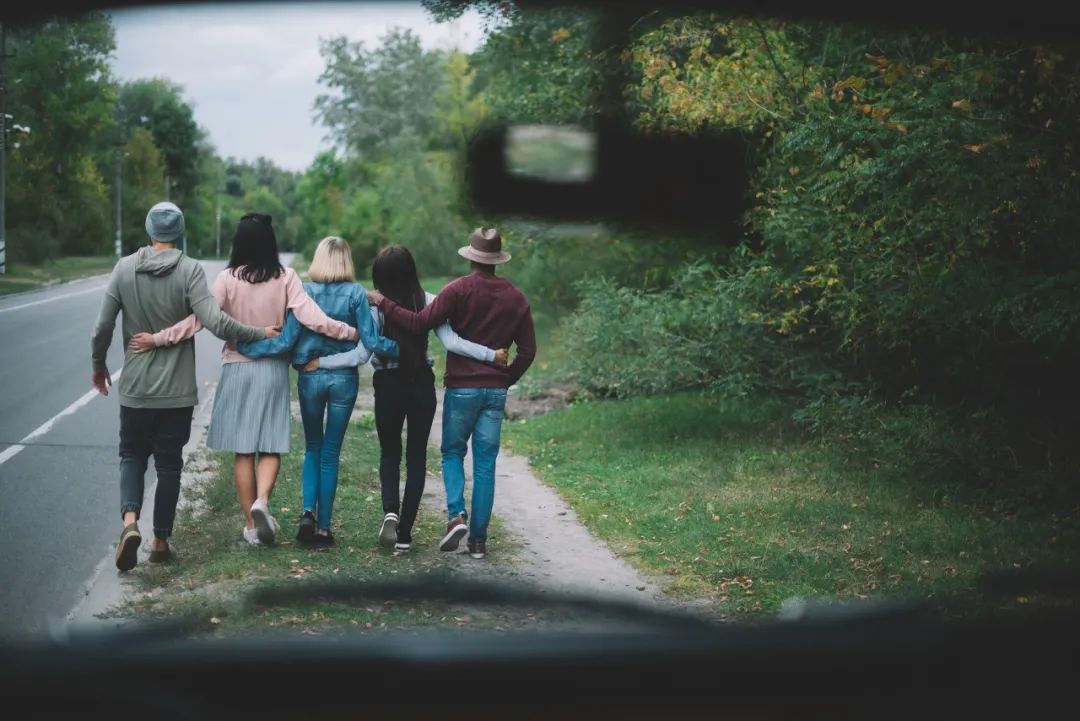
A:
(732, 503)
(21, 277)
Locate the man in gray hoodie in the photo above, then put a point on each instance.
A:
(155, 287)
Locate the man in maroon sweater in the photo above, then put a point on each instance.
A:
(491, 311)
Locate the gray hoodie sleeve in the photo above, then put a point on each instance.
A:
(106, 322)
(213, 318)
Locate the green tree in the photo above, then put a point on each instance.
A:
(418, 199)
(459, 108)
(380, 93)
(539, 66)
(320, 191)
(142, 169)
(60, 88)
(158, 105)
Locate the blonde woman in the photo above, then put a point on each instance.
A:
(326, 396)
(251, 406)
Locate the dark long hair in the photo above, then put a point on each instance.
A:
(254, 256)
(394, 275)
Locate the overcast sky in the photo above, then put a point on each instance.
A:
(251, 70)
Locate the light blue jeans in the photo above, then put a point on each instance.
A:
(476, 413)
(325, 395)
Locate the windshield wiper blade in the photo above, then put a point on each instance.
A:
(448, 590)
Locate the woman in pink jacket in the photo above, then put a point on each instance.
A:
(251, 405)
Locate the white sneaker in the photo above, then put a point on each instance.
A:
(388, 532)
(252, 536)
(265, 525)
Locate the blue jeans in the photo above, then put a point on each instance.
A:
(324, 395)
(475, 412)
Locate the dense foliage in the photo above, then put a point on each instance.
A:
(910, 240)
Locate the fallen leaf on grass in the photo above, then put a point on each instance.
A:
(215, 620)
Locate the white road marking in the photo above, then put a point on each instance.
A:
(95, 289)
(12, 451)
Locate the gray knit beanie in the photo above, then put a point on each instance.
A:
(165, 223)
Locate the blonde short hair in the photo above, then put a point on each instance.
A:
(332, 262)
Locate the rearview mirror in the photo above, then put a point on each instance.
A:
(668, 183)
(552, 153)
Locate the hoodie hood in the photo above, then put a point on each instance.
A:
(157, 263)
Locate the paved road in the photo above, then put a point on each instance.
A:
(59, 495)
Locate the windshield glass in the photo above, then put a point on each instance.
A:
(335, 347)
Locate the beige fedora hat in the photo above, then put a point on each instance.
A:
(485, 246)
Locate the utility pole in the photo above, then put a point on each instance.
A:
(119, 195)
(3, 151)
(218, 218)
(167, 187)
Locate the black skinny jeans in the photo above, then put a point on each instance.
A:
(163, 433)
(401, 396)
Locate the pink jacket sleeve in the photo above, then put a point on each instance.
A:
(309, 313)
(189, 326)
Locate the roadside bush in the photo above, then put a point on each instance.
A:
(554, 263)
(699, 332)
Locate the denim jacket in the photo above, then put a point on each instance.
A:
(344, 301)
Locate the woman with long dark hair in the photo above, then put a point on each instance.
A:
(251, 405)
(404, 391)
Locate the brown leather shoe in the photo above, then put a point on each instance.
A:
(478, 550)
(161, 556)
(127, 551)
(455, 531)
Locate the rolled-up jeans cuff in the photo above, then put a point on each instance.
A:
(162, 533)
(131, 507)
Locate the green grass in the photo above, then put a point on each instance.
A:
(20, 277)
(732, 503)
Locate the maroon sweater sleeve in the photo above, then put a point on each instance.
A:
(525, 341)
(433, 315)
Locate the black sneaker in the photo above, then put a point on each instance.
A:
(404, 542)
(478, 549)
(388, 531)
(455, 531)
(306, 532)
(324, 541)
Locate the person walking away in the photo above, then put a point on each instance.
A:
(404, 391)
(155, 287)
(327, 396)
(489, 310)
(251, 406)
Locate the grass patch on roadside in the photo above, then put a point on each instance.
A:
(20, 277)
(733, 503)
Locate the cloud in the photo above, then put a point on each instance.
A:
(233, 36)
(303, 66)
(251, 71)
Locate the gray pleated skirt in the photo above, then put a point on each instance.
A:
(251, 408)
